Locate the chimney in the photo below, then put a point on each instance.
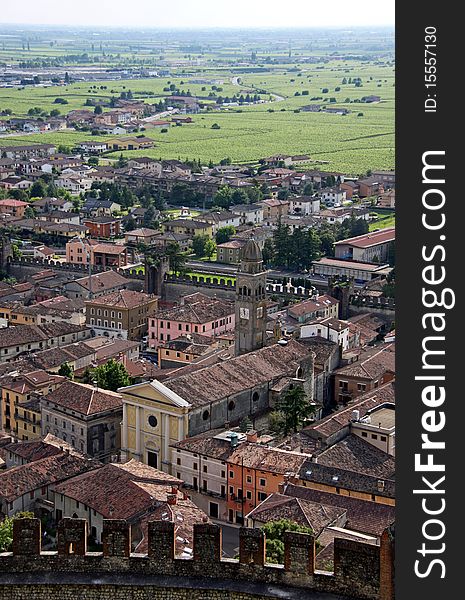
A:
(172, 499)
(174, 490)
(252, 436)
(185, 496)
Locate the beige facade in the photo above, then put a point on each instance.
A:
(154, 417)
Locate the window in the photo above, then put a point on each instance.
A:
(249, 495)
(231, 474)
(261, 496)
(178, 461)
(231, 489)
(383, 438)
(195, 466)
(152, 420)
(214, 510)
(364, 434)
(249, 479)
(262, 482)
(231, 405)
(205, 415)
(205, 469)
(361, 387)
(223, 474)
(374, 436)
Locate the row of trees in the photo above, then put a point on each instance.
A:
(299, 248)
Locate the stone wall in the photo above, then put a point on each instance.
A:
(73, 573)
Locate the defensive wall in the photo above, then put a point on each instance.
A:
(361, 570)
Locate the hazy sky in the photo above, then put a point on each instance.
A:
(200, 13)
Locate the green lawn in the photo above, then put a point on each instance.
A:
(383, 220)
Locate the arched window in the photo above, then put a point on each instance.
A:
(255, 396)
(205, 415)
(231, 405)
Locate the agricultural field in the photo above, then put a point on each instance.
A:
(288, 73)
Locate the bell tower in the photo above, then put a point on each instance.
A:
(250, 331)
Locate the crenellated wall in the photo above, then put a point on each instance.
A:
(72, 573)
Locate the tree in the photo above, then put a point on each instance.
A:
(29, 213)
(274, 532)
(268, 252)
(176, 257)
(6, 529)
(223, 197)
(308, 189)
(111, 375)
(295, 408)
(224, 234)
(98, 110)
(198, 244)
(38, 189)
(283, 194)
(66, 370)
(210, 248)
(130, 224)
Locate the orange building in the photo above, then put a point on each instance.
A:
(255, 472)
(13, 207)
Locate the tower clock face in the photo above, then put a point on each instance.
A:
(244, 313)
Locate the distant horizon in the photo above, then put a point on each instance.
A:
(205, 14)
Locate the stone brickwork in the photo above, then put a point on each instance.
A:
(74, 574)
(116, 538)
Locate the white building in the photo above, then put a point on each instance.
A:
(332, 329)
(333, 196)
(304, 205)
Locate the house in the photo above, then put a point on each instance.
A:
(229, 473)
(15, 208)
(230, 252)
(370, 99)
(15, 183)
(387, 199)
(86, 417)
(388, 178)
(186, 104)
(15, 391)
(250, 214)
(350, 188)
(92, 147)
(28, 486)
(304, 205)
(44, 252)
(181, 119)
(96, 285)
(74, 183)
(340, 214)
(372, 369)
(329, 328)
(144, 235)
(219, 219)
(24, 338)
(197, 313)
(185, 349)
(373, 247)
(102, 254)
(27, 152)
(273, 210)
(333, 196)
(369, 186)
(359, 271)
(123, 314)
(94, 207)
(102, 227)
(188, 227)
(318, 306)
(190, 401)
(134, 493)
(146, 163)
(164, 239)
(377, 427)
(130, 143)
(46, 205)
(305, 513)
(353, 468)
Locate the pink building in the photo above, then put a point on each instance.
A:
(102, 254)
(196, 313)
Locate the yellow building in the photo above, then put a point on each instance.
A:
(17, 391)
(189, 227)
(154, 417)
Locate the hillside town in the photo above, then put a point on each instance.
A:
(198, 344)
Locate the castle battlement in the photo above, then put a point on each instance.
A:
(360, 570)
